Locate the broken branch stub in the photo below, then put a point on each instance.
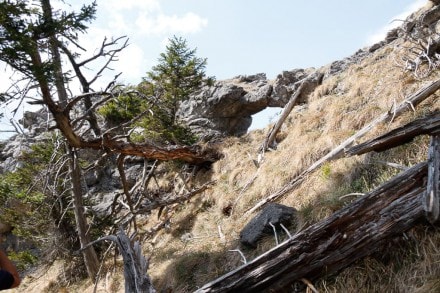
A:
(431, 198)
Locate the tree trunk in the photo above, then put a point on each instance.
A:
(135, 265)
(56, 57)
(90, 258)
(333, 244)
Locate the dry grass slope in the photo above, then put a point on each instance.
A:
(337, 109)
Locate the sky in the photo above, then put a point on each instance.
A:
(238, 37)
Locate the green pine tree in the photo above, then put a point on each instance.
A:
(178, 74)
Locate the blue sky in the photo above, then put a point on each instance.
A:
(247, 37)
(240, 36)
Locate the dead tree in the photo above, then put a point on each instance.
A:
(36, 37)
(325, 248)
(135, 264)
(420, 54)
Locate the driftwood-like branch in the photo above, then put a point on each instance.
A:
(107, 50)
(413, 100)
(431, 198)
(424, 44)
(325, 248)
(399, 136)
(135, 264)
(269, 142)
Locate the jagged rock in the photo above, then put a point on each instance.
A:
(36, 122)
(340, 65)
(12, 150)
(285, 84)
(91, 178)
(251, 78)
(226, 107)
(376, 46)
(273, 213)
(133, 174)
(104, 201)
(431, 16)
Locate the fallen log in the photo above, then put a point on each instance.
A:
(325, 248)
(406, 133)
(431, 198)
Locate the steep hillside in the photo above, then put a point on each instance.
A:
(200, 240)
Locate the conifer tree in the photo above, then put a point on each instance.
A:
(178, 74)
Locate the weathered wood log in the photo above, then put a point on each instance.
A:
(406, 133)
(135, 264)
(431, 198)
(409, 103)
(325, 248)
(269, 142)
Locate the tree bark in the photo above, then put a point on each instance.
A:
(90, 258)
(135, 266)
(333, 244)
(190, 154)
(398, 136)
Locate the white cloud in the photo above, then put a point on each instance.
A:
(131, 64)
(395, 21)
(169, 24)
(147, 17)
(143, 5)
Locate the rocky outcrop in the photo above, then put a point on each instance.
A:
(226, 108)
(273, 214)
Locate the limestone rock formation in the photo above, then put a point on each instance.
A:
(226, 108)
